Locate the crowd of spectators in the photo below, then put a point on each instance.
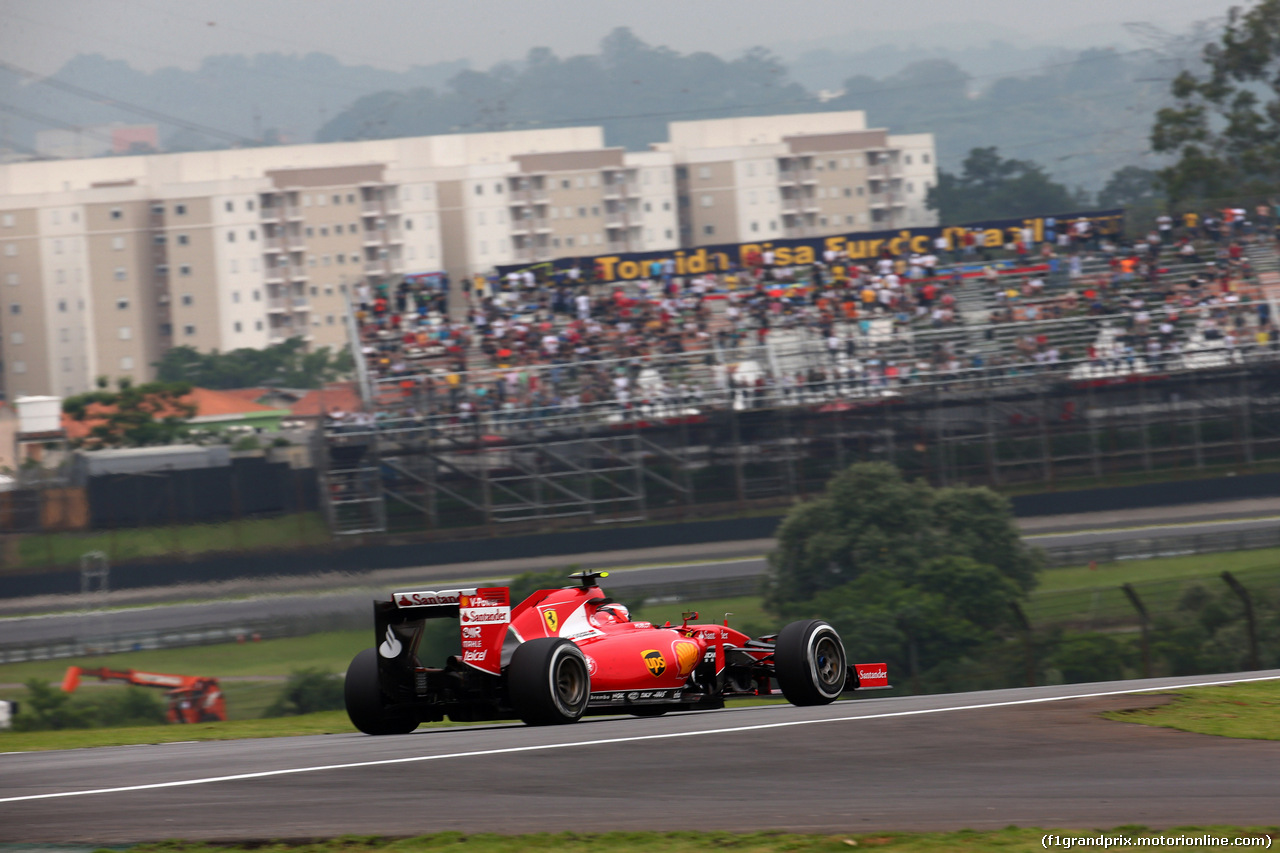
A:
(546, 340)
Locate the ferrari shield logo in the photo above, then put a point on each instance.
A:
(655, 661)
(552, 620)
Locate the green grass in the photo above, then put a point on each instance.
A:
(329, 651)
(1236, 710)
(64, 549)
(1010, 840)
(1159, 569)
(1072, 594)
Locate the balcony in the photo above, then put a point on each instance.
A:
(292, 212)
(528, 196)
(371, 206)
(298, 273)
(277, 303)
(274, 274)
(300, 303)
(272, 244)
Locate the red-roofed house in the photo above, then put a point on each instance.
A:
(215, 410)
(334, 397)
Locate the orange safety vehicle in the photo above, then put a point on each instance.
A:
(192, 698)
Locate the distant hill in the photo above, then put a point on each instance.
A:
(285, 97)
(1082, 115)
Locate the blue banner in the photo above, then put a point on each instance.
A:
(805, 250)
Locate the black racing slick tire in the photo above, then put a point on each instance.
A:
(548, 682)
(363, 697)
(809, 663)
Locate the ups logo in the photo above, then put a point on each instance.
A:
(552, 620)
(655, 661)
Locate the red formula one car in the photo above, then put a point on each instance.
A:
(563, 653)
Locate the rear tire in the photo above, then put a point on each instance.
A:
(810, 663)
(363, 697)
(548, 682)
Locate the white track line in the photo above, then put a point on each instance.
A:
(263, 774)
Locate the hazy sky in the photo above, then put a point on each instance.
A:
(42, 34)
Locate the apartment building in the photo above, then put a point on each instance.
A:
(775, 177)
(107, 263)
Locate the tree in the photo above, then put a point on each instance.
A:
(1130, 186)
(925, 577)
(990, 187)
(1225, 125)
(286, 364)
(132, 416)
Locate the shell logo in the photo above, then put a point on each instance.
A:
(687, 655)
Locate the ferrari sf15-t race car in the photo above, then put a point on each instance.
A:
(563, 653)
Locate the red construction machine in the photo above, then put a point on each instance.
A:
(192, 698)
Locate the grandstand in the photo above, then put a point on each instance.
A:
(451, 430)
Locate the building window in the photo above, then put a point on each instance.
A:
(755, 226)
(231, 236)
(911, 188)
(7, 220)
(236, 325)
(668, 233)
(408, 224)
(907, 159)
(122, 303)
(706, 201)
(16, 337)
(62, 306)
(231, 207)
(117, 213)
(257, 325)
(848, 220)
(708, 229)
(11, 279)
(497, 188)
(126, 362)
(125, 333)
(15, 308)
(162, 270)
(479, 189)
(187, 299)
(183, 239)
(329, 319)
(66, 364)
(160, 239)
(704, 172)
(248, 205)
(180, 209)
(64, 335)
(257, 295)
(924, 158)
(19, 367)
(11, 249)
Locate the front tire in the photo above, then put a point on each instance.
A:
(548, 682)
(362, 695)
(809, 663)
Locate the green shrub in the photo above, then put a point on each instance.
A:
(308, 691)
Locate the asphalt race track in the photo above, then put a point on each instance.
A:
(1030, 757)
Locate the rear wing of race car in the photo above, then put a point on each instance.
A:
(483, 614)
